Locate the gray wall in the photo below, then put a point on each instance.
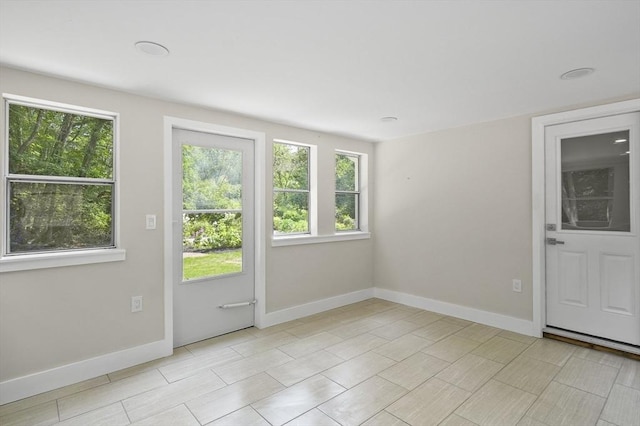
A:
(452, 223)
(58, 316)
(454, 216)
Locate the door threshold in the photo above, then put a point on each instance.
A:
(596, 343)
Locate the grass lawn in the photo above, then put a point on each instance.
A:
(199, 265)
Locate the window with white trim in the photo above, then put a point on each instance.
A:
(59, 179)
(291, 188)
(347, 217)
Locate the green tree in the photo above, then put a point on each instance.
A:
(291, 188)
(47, 213)
(346, 192)
(211, 180)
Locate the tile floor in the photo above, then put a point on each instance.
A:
(372, 363)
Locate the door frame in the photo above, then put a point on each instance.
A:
(538, 125)
(259, 140)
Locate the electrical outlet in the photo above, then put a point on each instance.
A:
(136, 303)
(517, 286)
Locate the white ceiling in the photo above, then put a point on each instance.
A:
(338, 66)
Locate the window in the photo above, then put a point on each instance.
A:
(588, 200)
(59, 179)
(291, 188)
(304, 190)
(347, 191)
(211, 210)
(595, 182)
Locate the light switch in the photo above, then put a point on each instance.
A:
(151, 221)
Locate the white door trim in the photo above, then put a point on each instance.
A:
(259, 139)
(538, 125)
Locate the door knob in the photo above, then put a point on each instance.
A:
(553, 241)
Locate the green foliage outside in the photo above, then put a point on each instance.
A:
(211, 231)
(211, 179)
(48, 215)
(346, 198)
(346, 207)
(290, 212)
(212, 263)
(291, 188)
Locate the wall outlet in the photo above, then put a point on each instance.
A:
(136, 303)
(517, 286)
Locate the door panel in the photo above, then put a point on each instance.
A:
(573, 279)
(592, 214)
(617, 296)
(213, 238)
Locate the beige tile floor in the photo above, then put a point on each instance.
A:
(372, 363)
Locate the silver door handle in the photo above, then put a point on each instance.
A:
(553, 241)
(238, 305)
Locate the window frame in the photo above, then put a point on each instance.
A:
(357, 191)
(311, 191)
(10, 262)
(362, 233)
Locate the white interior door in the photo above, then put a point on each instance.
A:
(592, 219)
(213, 238)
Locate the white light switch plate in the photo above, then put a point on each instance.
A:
(151, 221)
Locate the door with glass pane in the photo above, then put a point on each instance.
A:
(592, 220)
(213, 236)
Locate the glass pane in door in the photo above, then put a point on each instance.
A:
(595, 182)
(211, 212)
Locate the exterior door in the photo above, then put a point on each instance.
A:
(592, 220)
(213, 283)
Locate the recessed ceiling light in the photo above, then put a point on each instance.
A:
(619, 141)
(389, 119)
(626, 153)
(151, 48)
(577, 73)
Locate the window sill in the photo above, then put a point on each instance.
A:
(55, 260)
(292, 240)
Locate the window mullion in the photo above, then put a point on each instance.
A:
(300, 191)
(211, 211)
(59, 179)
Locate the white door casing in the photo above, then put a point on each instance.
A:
(538, 126)
(592, 281)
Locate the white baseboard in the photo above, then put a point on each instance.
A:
(33, 384)
(505, 322)
(44, 381)
(311, 308)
